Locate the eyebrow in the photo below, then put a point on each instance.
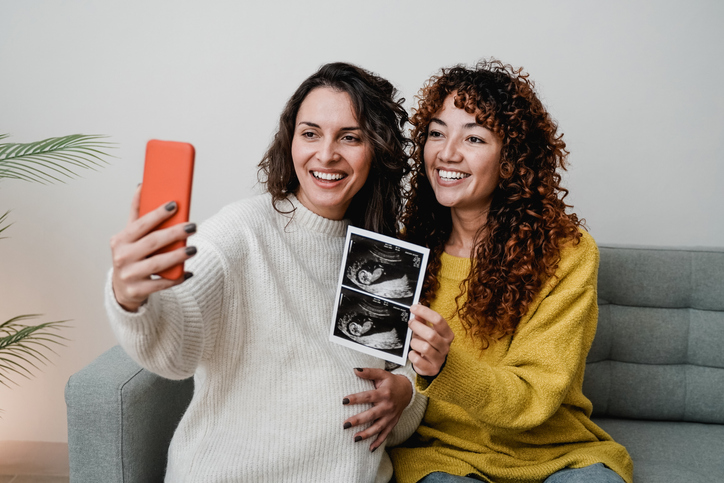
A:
(311, 124)
(469, 125)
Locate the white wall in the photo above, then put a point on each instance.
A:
(635, 86)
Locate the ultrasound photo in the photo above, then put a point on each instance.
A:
(382, 269)
(380, 278)
(372, 322)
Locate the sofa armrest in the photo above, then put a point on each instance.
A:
(121, 419)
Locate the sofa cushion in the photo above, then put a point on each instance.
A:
(660, 392)
(670, 451)
(648, 277)
(658, 349)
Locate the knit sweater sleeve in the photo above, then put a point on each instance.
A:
(412, 415)
(543, 360)
(169, 334)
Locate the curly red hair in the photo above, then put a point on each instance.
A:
(519, 245)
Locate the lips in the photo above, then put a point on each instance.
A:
(320, 175)
(451, 175)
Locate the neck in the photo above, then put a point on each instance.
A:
(465, 226)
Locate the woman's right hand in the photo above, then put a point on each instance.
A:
(431, 339)
(131, 250)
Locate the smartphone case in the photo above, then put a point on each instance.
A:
(168, 176)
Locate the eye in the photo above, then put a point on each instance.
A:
(476, 140)
(308, 134)
(434, 134)
(351, 138)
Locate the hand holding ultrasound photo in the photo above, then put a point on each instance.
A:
(380, 278)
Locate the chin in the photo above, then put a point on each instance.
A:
(447, 201)
(333, 209)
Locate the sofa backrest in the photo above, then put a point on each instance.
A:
(659, 349)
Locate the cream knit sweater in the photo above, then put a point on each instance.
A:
(252, 327)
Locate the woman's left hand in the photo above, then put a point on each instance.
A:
(391, 395)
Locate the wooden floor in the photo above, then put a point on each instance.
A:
(33, 462)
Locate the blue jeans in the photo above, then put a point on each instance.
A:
(597, 473)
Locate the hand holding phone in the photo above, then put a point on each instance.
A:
(166, 192)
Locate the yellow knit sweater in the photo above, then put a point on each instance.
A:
(516, 412)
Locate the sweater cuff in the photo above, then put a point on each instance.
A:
(412, 414)
(409, 373)
(429, 379)
(150, 338)
(142, 320)
(449, 384)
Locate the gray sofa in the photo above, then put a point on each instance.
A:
(655, 376)
(655, 373)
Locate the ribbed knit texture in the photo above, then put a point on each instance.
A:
(516, 412)
(252, 327)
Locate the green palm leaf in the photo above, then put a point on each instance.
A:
(21, 345)
(4, 219)
(48, 161)
(52, 160)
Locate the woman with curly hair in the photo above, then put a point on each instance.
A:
(511, 289)
(273, 400)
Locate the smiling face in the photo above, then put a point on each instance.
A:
(331, 159)
(462, 160)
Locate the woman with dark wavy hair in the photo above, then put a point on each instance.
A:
(511, 289)
(274, 400)
(377, 206)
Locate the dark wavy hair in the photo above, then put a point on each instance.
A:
(519, 245)
(379, 203)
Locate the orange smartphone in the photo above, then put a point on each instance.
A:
(167, 176)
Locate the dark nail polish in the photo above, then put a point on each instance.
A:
(188, 275)
(170, 206)
(190, 251)
(357, 439)
(358, 369)
(347, 425)
(373, 450)
(190, 228)
(345, 401)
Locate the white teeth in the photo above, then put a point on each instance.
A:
(327, 176)
(452, 174)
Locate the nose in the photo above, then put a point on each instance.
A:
(450, 153)
(328, 151)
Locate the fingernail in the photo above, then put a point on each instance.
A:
(188, 275)
(375, 449)
(190, 228)
(345, 401)
(358, 369)
(190, 251)
(357, 439)
(170, 206)
(347, 425)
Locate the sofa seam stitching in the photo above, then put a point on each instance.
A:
(120, 405)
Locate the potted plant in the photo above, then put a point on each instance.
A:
(48, 161)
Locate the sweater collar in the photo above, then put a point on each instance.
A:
(454, 268)
(311, 221)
